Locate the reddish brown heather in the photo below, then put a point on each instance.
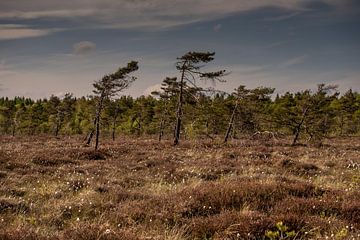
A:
(56, 188)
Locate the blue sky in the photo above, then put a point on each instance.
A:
(51, 47)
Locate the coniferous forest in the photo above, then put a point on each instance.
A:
(181, 106)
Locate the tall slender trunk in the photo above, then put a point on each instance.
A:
(161, 129)
(97, 131)
(298, 127)
(231, 123)
(98, 113)
(207, 133)
(207, 130)
(56, 130)
(114, 123)
(89, 137)
(91, 134)
(138, 128)
(113, 129)
(162, 122)
(15, 126)
(296, 137)
(96, 128)
(58, 126)
(179, 109)
(341, 124)
(13, 129)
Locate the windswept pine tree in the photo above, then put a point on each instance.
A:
(108, 87)
(166, 96)
(190, 66)
(306, 113)
(60, 111)
(251, 108)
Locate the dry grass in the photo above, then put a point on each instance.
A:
(140, 189)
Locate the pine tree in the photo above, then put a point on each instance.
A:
(108, 87)
(189, 66)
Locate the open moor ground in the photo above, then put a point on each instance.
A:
(141, 189)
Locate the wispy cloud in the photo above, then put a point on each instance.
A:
(16, 31)
(140, 13)
(66, 13)
(249, 69)
(293, 61)
(282, 17)
(83, 47)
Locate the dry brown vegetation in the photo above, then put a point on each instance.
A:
(141, 189)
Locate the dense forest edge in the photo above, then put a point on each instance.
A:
(206, 116)
(181, 106)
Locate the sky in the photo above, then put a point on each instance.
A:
(51, 47)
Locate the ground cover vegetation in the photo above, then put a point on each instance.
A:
(138, 188)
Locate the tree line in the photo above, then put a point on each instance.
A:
(182, 108)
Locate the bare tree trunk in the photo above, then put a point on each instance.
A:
(96, 128)
(113, 130)
(97, 121)
(56, 130)
(177, 126)
(138, 128)
(161, 129)
(13, 129)
(298, 127)
(297, 133)
(233, 132)
(14, 126)
(231, 123)
(57, 127)
(91, 134)
(97, 131)
(114, 123)
(341, 124)
(179, 109)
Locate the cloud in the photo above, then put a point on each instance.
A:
(47, 13)
(16, 31)
(293, 61)
(246, 69)
(282, 17)
(145, 14)
(83, 47)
